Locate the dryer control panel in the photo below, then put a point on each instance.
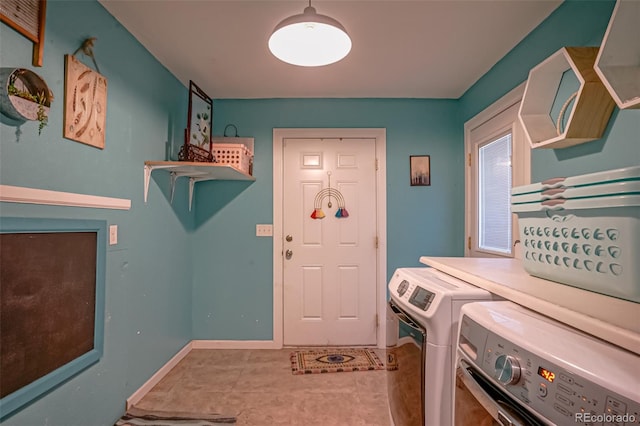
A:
(421, 298)
(425, 288)
(417, 296)
(558, 394)
(574, 385)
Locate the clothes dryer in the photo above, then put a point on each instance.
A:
(520, 368)
(426, 305)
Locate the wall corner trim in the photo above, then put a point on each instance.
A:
(158, 375)
(19, 194)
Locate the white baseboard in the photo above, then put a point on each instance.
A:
(234, 344)
(155, 379)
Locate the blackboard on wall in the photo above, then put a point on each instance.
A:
(48, 304)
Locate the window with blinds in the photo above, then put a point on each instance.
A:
(494, 190)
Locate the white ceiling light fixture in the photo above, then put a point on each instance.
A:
(309, 39)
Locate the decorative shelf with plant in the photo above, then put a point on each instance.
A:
(24, 96)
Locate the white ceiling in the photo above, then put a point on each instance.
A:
(401, 49)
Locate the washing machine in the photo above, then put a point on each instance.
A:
(517, 367)
(424, 308)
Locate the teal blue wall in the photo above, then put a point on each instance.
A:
(148, 274)
(574, 23)
(233, 292)
(421, 221)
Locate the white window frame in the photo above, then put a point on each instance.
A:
(520, 160)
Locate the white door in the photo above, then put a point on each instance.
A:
(329, 264)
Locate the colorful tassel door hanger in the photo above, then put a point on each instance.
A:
(329, 192)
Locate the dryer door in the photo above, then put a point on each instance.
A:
(480, 403)
(405, 370)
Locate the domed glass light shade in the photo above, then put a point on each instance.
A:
(309, 40)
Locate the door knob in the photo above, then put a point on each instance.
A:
(289, 238)
(288, 254)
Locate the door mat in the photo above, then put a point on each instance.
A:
(140, 417)
(334, 361)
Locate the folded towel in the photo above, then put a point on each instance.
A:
(139, 417)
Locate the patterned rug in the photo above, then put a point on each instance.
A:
(334, 361)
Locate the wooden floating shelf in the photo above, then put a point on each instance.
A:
(592, 106)
(196, 172)
(618, 63)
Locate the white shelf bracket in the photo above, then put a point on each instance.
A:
(174, 177)
(147, 177)
(192, 182)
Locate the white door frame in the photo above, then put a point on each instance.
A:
(523, 153)
(380, 136)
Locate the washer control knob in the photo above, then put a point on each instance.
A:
(507, 369)
(403, 287)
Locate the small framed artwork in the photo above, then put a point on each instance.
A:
(85, 103)
(197, 144)
(27, 17)
(420, 170)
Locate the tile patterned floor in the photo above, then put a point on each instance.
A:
(258, 388)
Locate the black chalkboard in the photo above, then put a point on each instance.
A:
(47, 303)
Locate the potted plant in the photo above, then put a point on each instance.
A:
(25, 96)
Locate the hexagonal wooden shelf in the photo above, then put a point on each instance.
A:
(592, 106)
(618, 62)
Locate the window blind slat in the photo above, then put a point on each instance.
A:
(494, 168)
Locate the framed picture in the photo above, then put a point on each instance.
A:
(420, 170)
(85, 103)
(28, 18)
(197, 143)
